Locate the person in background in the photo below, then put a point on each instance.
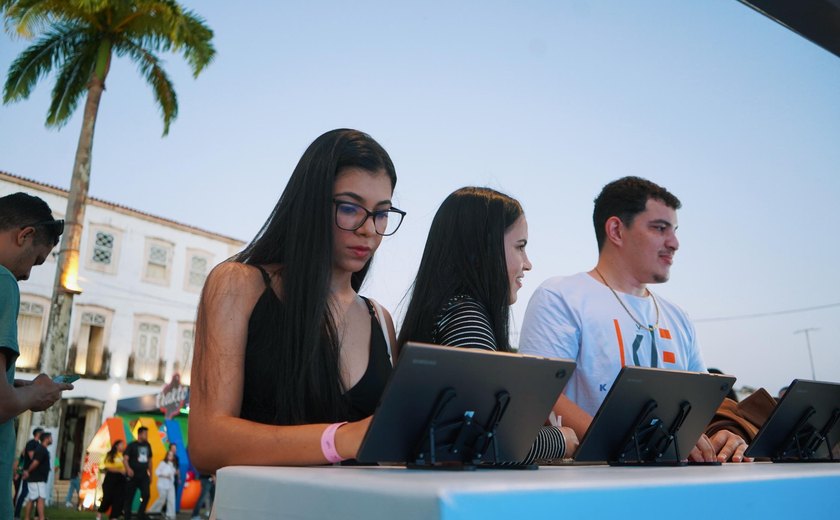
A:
(28, 233)
(113, 486)
(205, 499)
(138, 459)
(17, 480)
(25, 459)
(75, 485)
(173, 448)
(165, 473)
(36, 475)
(469, 276)
(287, 353)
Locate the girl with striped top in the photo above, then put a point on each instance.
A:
(470, 273)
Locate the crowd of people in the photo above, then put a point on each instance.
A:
(289, 354)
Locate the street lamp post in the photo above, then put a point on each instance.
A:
(808, 344)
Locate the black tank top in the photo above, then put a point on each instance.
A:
(259, 401)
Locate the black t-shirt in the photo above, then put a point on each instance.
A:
(31, 444)
(42, 472)
(138, 456)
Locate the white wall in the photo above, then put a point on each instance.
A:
(125, 292)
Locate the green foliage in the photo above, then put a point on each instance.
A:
(149, 66)
(71, 83)
(76, 40)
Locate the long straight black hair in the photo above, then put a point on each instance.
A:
(298, 235)
(464, 255)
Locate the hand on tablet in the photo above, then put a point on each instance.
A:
(724, 446)
(572, 441)
(348, 438)
(730, 447)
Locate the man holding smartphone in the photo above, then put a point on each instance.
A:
(28, 233)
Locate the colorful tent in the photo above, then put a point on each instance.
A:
(117, 428)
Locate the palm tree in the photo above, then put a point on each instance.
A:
(78, 38)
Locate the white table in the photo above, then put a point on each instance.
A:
(758, 490)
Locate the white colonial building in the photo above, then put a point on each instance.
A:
(132, 326)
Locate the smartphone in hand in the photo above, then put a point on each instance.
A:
(66, 378)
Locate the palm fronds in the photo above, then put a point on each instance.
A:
(73, 33)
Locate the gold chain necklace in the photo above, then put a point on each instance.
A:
(617, 297)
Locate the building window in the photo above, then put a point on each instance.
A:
(158, 262)
(102, 253)
(146, 358)
(156, 268)
(198, 266)
(89, 354)
(186, 339)
(31, 324)
(103, 247)
(198, 270)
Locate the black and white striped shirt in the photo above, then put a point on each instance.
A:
(464, 322)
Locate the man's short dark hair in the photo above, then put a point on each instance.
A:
(21, 209)
(141, 430)
(625, 198)
(37, 431)
(45, 436)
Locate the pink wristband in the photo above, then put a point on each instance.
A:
(328, 443)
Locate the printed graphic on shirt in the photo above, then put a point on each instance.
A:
(142, 454)
(667, 355)
(638, 349)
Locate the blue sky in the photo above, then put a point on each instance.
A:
(547, 101)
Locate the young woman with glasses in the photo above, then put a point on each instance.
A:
(289, 360)
(469, 276)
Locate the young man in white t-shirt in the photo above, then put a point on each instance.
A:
(607, 318)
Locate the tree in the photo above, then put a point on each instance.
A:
(77, 39)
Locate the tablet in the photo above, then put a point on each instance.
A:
(474, 406)
(803, 426)
(652, 416)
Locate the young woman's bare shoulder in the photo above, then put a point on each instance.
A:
(377, 305)
(234, 280)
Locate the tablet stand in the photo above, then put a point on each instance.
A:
(472, 442)
(805, 440)
(648, 441)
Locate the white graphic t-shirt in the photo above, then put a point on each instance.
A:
(579, 318)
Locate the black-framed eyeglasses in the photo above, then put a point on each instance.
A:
(54, 227)
(350, 216)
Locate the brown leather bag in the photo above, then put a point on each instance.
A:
(744, 418)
